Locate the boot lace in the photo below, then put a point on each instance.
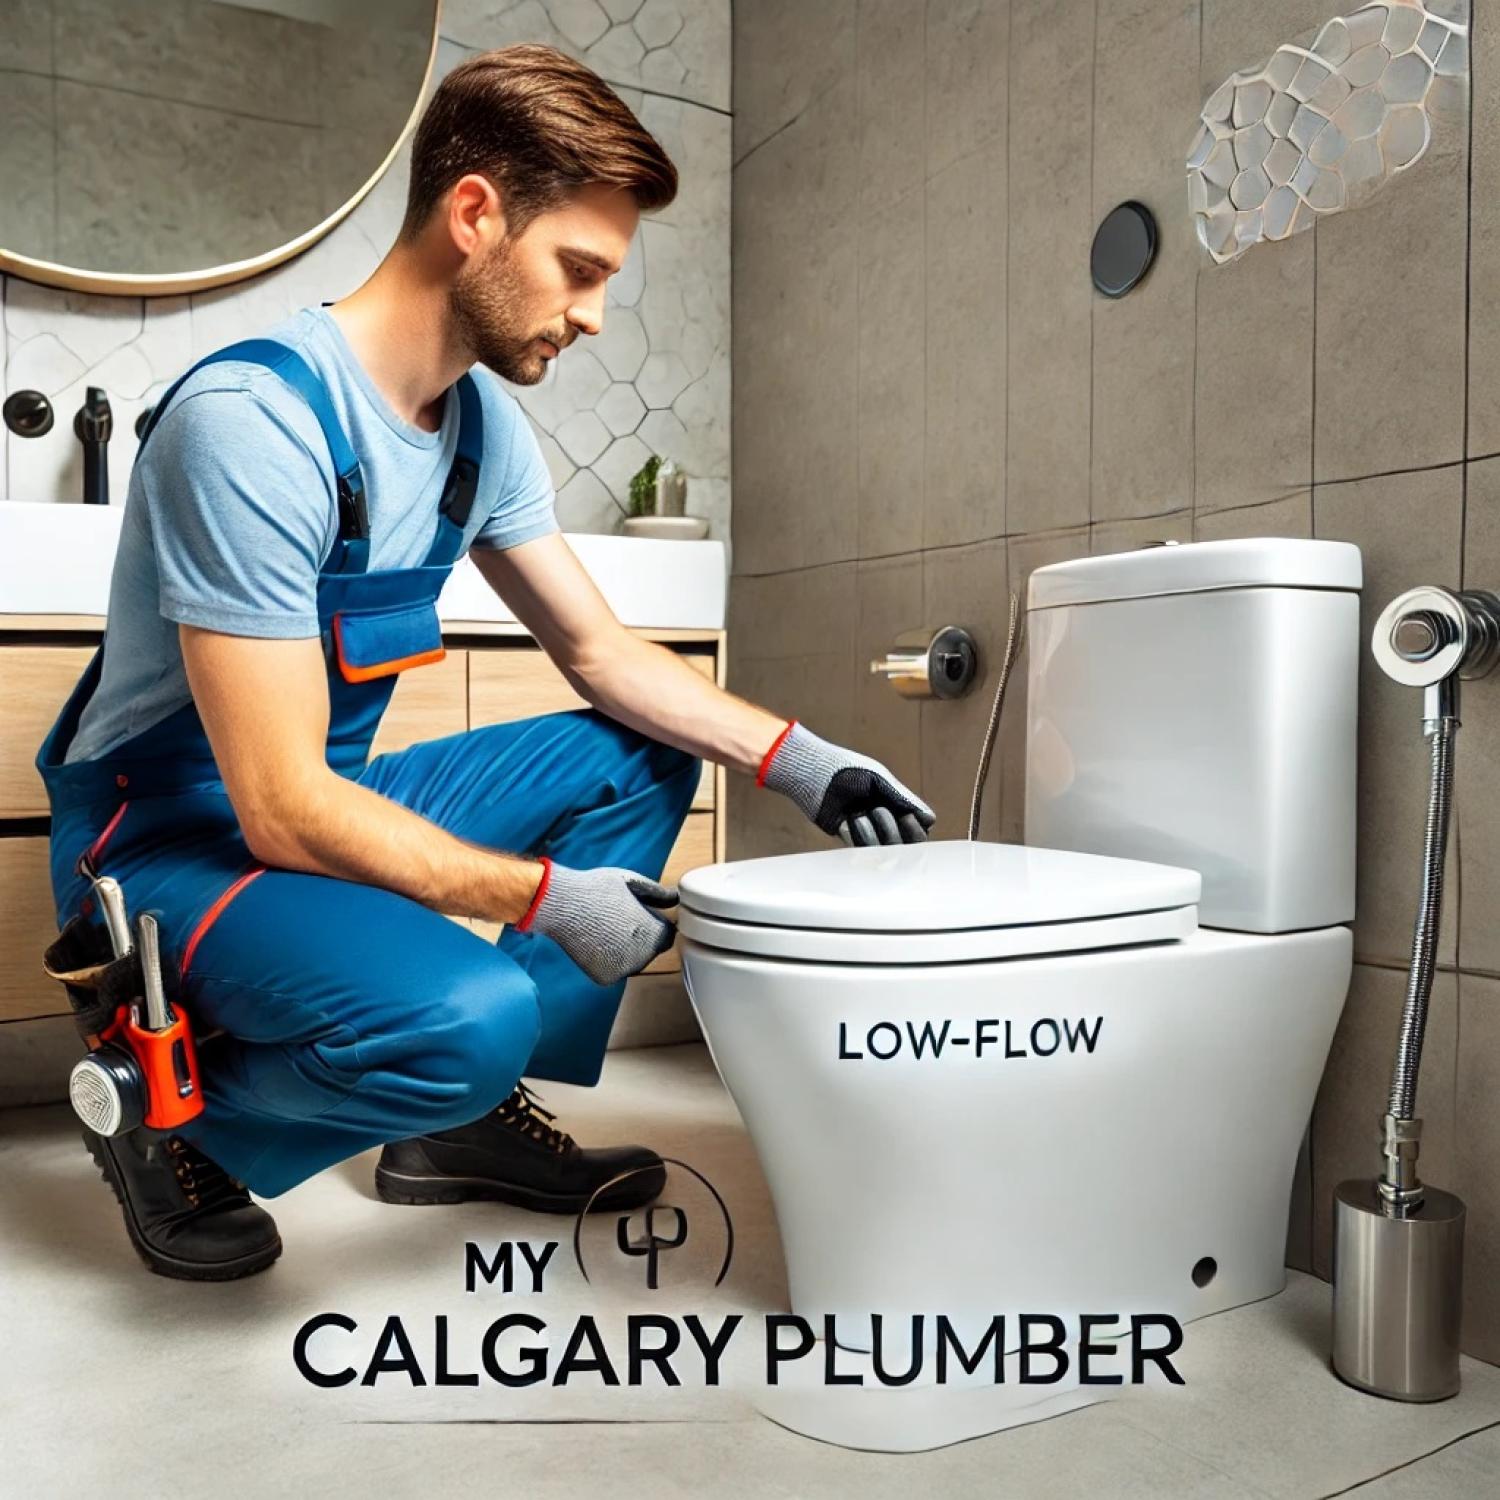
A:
(205, 1183)
(521, 1112)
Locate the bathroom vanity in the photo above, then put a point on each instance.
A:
(55, 562)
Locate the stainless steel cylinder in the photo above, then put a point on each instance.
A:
(1397, 1293)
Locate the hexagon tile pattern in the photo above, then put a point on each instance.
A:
(1314, 131)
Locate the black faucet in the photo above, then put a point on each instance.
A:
(92, 426)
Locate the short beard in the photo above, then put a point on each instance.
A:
(487, 302)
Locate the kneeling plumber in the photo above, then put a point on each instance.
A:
(296, 504)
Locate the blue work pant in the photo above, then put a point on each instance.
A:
(355, 1016)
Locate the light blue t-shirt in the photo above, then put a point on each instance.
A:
(231, 510)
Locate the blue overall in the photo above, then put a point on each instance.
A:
(352, 1015)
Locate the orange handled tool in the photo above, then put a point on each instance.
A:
(145, 1069)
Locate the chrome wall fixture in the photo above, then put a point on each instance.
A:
(1398, 1243)
(931, 663)
(1316, 130)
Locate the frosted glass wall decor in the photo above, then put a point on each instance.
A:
(1316, 130)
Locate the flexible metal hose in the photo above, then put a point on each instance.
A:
(1403, 1100)
(1012, 642)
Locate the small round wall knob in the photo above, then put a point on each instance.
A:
(28, 414)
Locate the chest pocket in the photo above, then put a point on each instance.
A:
(380, 641)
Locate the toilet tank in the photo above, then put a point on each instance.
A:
(1196, 705)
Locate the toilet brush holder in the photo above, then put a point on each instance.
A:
(1397, 1292)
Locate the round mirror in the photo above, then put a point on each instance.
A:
(184, 144)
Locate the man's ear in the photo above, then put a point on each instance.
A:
(475, 206)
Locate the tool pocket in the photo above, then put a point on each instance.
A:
(378, 642)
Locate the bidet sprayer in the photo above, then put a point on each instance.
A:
(1428, 638)
(1398, 1243)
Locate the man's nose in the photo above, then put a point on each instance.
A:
(588, 317)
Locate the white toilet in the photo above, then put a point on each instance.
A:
(1072, 1076)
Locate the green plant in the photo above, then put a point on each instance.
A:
(643, 487)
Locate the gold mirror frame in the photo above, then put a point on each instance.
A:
(121, 284)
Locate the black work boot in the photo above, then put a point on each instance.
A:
(512, 1155)
(186, 1216)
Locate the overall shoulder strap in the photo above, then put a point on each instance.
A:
(462, 483)
(352, 547)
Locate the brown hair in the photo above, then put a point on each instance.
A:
(540, 125)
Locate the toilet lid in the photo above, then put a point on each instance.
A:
(938, 901)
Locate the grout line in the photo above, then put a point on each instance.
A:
(1004, 412)
(1192, 505)
(1312, 417)
(1093, 300)
(1112, 520)
(1420, 1458)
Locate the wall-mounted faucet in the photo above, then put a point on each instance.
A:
(92, 425)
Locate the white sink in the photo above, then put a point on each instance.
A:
(56, 559)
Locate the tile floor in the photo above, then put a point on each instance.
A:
(110, 1377)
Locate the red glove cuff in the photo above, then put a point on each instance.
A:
(541, 891)
(765, 764)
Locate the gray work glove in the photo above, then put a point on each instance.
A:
(844, 792)
(600, 918)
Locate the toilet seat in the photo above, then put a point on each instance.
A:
(941, 901)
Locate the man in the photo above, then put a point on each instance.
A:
(277, 566)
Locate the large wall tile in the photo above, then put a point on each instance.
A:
(1356, 1083)
(1145, 100)
(26, 37)
(967, 586)
(1389, 379)
(886, 725)
(891, 447)
(795, 417)
(1289, 517)
(1407, 527)
(1238, 36)
(965, 256)
(1126, 536)
(1477, 755)
(1049, 298)
(889, 90)
(1254, 367)
(792, 651)
(1484, 231)
(786, 54)
(1476, 1172)
(1023, 556)
(967, 53)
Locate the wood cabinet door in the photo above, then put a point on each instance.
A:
(28, 924)
(34, 684)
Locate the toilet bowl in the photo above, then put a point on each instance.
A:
(1069, 1076)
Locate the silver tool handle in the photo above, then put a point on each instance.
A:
(158, 1013)
(112, 901)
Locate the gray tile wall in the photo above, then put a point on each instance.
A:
(655, 380)
(931, 401)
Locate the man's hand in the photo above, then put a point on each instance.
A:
(600, 918)
(844, 792)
